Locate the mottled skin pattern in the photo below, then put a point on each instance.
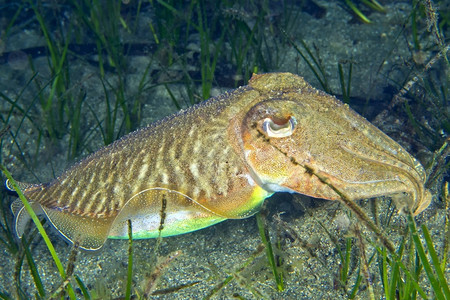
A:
(221, 159)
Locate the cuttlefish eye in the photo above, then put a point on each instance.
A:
(279, 129)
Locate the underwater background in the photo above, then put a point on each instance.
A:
(77, 75)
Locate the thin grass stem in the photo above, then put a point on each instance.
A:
(130, 261)
(423, 258)
(269, 252)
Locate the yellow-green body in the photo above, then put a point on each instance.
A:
(220, 159)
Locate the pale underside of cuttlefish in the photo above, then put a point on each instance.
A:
(220, 159)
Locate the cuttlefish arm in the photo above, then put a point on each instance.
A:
(302, 140)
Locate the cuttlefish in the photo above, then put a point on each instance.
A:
(220, 159)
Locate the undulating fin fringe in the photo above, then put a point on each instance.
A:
(21, 216)
(90, 233)
(22, 185)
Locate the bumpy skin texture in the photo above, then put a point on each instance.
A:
(221, 159)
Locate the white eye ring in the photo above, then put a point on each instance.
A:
(279, 131)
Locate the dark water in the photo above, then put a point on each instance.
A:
(75, 77)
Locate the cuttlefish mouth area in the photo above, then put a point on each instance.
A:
(371, 171)
(376, 166)
(399, 175)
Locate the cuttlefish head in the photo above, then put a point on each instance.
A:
(298, 139)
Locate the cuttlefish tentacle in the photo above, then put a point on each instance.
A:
(419, 198)
(383, 150)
